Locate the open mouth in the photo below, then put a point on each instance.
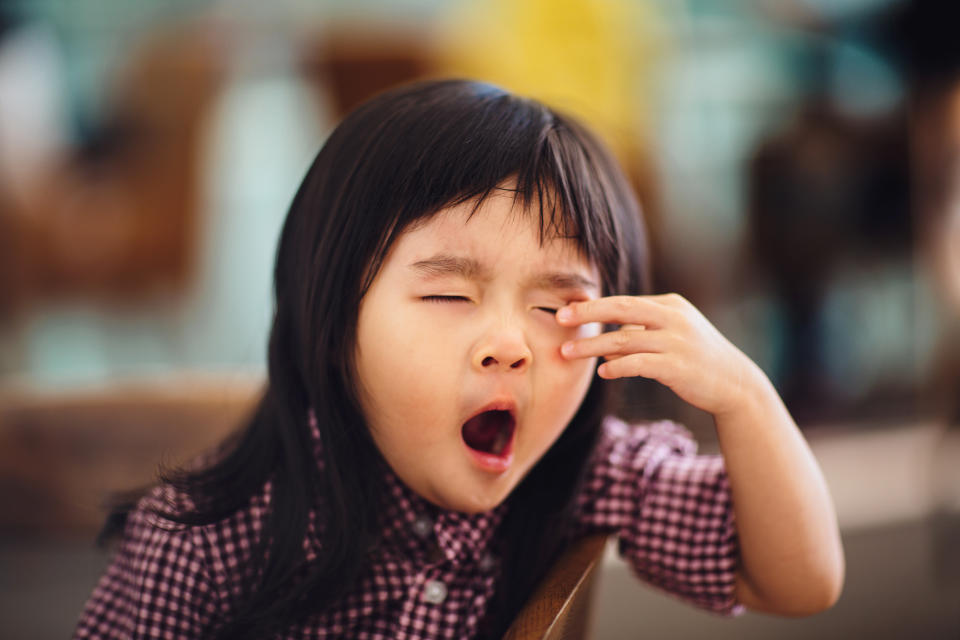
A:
(490, 432)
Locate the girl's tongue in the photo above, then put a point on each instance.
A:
(489, 431)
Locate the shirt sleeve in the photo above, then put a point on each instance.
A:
(157, 585)
(670, 509)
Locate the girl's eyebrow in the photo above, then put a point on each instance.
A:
(561, 280)
(443, 264)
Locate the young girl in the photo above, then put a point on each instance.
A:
(435, 427)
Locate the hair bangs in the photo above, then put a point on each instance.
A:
(479, 140)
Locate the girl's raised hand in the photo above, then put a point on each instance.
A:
(666, 338)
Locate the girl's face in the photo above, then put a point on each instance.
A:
(458, 351)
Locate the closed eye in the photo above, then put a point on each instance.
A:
(446, 299)
(549, 310)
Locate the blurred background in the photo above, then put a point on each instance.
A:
(798, 165)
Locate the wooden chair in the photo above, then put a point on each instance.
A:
(559, 608)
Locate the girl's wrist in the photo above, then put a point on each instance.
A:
(752, 397)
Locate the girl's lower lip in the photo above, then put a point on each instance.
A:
(492, 463)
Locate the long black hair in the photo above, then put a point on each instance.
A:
(397, 159)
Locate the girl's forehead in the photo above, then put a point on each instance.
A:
(499, 225)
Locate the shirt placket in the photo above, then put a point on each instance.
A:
(425, 607)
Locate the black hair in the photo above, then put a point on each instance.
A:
(396, 160)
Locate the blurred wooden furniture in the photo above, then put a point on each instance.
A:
(349, 63)
(117, 217)
(559, 609)
(63, 453)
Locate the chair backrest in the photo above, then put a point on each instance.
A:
(63, 452)
(559, 608)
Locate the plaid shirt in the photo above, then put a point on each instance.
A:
(434, 573)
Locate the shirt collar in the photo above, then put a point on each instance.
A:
(414, 525)
(416, 528)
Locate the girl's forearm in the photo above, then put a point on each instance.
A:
(792, 556)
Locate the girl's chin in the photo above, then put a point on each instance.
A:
(471, 500)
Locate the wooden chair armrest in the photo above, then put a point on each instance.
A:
(559, 607)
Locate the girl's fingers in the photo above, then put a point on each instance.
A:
(627, 340)
(672, 300)
(634, 327)
(639, 310)
(646, 365)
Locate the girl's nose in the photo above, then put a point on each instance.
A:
(504, 350)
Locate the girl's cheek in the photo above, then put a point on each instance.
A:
(552, 337)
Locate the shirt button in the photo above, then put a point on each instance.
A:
(422, 527)
(434, 592)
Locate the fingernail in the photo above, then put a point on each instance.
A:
(564, 314)
(567, 348)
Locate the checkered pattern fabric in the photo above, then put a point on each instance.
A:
(434, 573)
